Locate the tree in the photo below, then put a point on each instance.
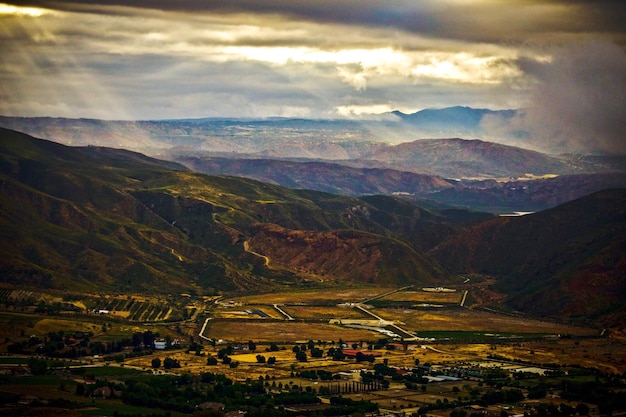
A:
(338, 355)
(260, 359)
(211, 361)
(301, 356)
(251, 346)
(316, 352)
(169, 363)
(148, 338)
(156, 363)
(37, 366)
(137, 339)
(271, 360)
(224, 352)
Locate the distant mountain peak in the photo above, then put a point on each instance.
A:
(456, 117)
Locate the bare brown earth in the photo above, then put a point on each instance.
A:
(242, 331)
(343, 256)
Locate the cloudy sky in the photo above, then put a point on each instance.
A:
(314, 58)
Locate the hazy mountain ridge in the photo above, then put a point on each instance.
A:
(456, 117)
(321, 176)
(356, 157)
(463, 158)
(353, 178)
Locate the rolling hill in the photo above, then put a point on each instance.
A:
(92, 218)
(321, 176)
(462, 158)
(358, 157)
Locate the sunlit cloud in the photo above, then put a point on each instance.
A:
(360, 110)
(8, 10)
(275, 58)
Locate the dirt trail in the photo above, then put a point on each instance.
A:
(246, 247)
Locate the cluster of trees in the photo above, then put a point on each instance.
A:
(55, 344)
(75, 344)
(168, 363)
(185, 393)
(270, 361)
(317, 374)
(605, 393)
(542, 410)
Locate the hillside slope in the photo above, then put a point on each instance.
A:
(568, 261)
(321, 176)
(103, 219)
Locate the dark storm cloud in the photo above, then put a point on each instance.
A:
(487, 20)
(578, 103)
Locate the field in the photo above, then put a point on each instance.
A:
(425, 297)
(247, 312)
(445, 339)
(34, 324)
(286, 331)
(458, 319)
(307, 308)
(326, 313)
(314, 297)
(451, 332)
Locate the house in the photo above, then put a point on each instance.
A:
(351, 353)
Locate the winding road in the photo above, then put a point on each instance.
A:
(246, 247)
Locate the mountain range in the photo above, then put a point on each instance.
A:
(355, 158)
(91, 218)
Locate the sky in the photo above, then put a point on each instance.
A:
(562, 61)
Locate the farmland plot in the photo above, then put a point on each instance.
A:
(324, 313)
(425, 297)
(286, 331)
(247, 312)
(314, 297)
(476, 320)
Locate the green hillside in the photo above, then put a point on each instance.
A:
(97, 219)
